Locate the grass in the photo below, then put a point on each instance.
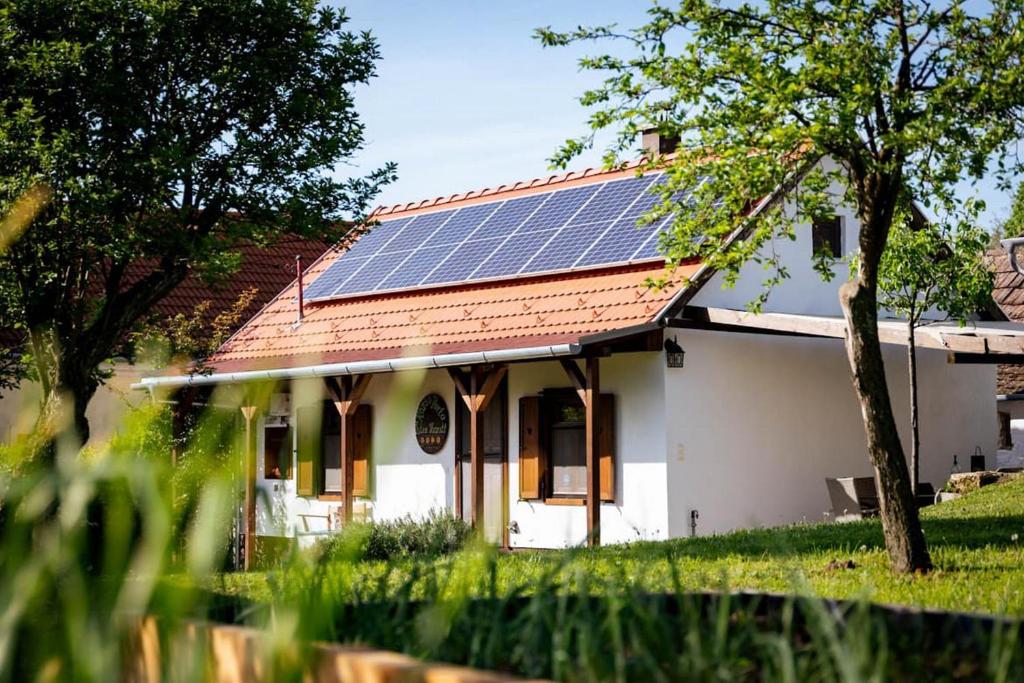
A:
(666, 610)
(976, 546)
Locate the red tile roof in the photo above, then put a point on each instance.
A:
(269, 269)
(511, 314)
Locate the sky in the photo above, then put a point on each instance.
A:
(467, 98)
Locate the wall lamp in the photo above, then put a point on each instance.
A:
(674, 354)
(1012, 247)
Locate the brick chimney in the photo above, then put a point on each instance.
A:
(654, 143)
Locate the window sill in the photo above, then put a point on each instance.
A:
(565, 501)
(330, 496)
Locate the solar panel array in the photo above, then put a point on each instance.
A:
(575, 227)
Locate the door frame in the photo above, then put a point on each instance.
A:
(458, 493)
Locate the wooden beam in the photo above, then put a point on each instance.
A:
(491, 382)
(986, 358)
(249, 549)
(593, 450)
(579, 382)
(461, 387)
(476, 455)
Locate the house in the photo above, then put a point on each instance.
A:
(1008, 294)
(498, 354)
(263, 271)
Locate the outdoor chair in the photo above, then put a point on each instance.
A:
(852, 498)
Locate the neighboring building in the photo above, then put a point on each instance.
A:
(1008, 293)
(501, 312)
(264, 269)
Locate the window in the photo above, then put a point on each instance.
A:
(827, 236)
(568, 446)
(319, 450)
(277, 448)
(552, 446)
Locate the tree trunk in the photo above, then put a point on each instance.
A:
(64, 409)
(904, 539)
(915, 446)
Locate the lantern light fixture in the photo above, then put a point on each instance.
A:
(674, 353)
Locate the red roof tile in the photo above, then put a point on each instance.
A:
(475, 316)
(269, 269)
(551, 309)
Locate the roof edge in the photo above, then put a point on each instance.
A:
(365, 367)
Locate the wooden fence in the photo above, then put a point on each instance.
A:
(240, 654)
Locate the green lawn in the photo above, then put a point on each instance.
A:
(629, 613)
(976, 545)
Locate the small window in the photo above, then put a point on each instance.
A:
(277, 450)
(568, 446)
(827, 236)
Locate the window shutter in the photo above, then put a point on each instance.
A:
(531, 456)
(606, 442)
(362, 429)
(310, 449)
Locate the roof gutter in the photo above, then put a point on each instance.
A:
(364, 367)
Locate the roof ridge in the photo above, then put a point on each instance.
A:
(533, 183)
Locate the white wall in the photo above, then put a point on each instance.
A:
(756, 423)
(639, 511)
(407, 481)
(804, 291)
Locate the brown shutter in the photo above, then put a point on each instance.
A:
(362, 430)
(606, 442)
(531, 455)
(310, 449)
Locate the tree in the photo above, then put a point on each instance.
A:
(929, 270)
(166, 134)
(875, 101)
(1013, 226)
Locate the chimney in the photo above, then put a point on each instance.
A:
(298, 276)
(655, 143)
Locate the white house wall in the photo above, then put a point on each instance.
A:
(755, 424)
(804, 291)
(408, 482)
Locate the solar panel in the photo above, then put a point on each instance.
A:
(575, 227)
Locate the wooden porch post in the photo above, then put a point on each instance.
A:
(593, 405)
(346, 395)
(588, 387)
(483, 385)
(249, 413)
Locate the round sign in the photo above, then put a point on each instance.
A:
(432, 423)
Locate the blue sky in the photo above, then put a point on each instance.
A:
(466, 98)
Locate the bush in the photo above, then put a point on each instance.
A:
(439, 533)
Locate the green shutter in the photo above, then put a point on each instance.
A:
(310, 449)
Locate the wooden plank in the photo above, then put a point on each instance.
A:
(943, 337)
(593, 450)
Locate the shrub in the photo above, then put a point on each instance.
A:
(439, 533)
